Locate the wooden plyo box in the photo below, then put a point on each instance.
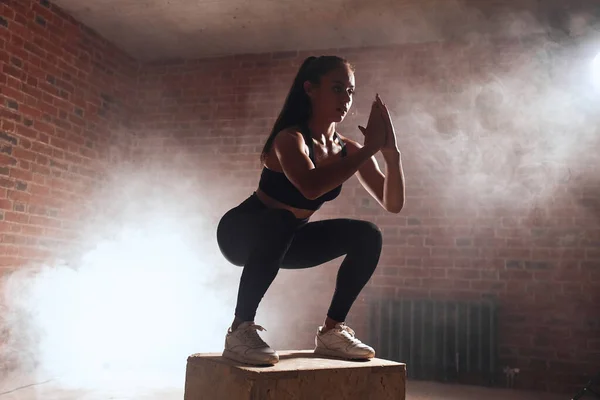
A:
(299, 375)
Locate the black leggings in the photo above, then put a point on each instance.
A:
(263, 239)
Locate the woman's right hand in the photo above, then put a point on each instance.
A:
(375, 134)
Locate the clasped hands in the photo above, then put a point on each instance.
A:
(379, 133)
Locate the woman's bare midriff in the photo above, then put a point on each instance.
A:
(272, 203)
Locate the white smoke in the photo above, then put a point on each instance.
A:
(513, 133)
(149, 291)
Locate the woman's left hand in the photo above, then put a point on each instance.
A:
(390, 143)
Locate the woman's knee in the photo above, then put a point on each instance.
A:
(370, 235)
(370, 247)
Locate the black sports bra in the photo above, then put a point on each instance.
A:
(278, 186)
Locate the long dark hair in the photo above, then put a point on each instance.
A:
(297, 108)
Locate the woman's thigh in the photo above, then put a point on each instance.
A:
(322, 241)
(242, 232)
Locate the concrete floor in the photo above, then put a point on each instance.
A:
(438, 391)
(416, 390)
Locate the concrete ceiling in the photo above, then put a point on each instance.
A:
(163, 29)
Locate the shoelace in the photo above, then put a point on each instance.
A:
(348, 333)
(251, 336)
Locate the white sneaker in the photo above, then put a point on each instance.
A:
(245, 346)
(340, 342)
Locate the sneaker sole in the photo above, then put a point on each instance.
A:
(236, 357)
(335, 354)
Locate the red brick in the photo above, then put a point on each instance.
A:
(9, 261)
(32, 231)
(592, 254)
(41, 51)
(454, 273)
(413, 272)
(24, 154)
(21, 175)
(6, 204)
(16, 217)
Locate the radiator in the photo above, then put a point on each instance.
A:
(448, 341)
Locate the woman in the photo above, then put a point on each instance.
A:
(305, 163)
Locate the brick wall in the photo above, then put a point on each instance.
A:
(65, 102)
(66, 99)
(501, 198)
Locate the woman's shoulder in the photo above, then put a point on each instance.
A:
(294, 130)
(290, 136)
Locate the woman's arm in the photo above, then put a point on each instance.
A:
(388, 189)
(314, 182)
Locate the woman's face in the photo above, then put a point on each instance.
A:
(332, 98)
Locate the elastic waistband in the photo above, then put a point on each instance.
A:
(253, 202)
